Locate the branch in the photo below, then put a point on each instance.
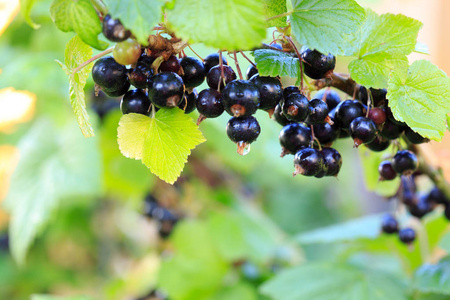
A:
(347, 85)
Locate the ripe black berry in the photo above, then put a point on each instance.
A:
(386, 171)
(318, 111)
(389, 224)
(308, 162)
(330, 97)
(317, 65)
(326, 133)
(333, 161)
(108, 74)
(421, 208)
(243, 131)
(347, 111)
(414, 137)
(118, 92)
(407, 235)
(189, 101)
(391, 130)
(102, 104)
(113, 30)
(293, 137)
(437, 196)
(295, 107)
(135, 101)
(377, 115)
(209, 104)
(270, 91)
(194, 71)
(172, 64)
(378, 144)
(213, 60)
(214, 77)
(405, 162)
(363, 130)
(290, 90)
(378, 95)
(166, 89)
(251, 70)
(140, 75)
(279, 117)
(240, 98)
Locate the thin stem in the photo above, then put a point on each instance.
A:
(222, 75)
(100, 6)
(369, 101)
(237, 66)
(195, 52)
(245, 56)
(280, 16)
(299, 60)
(313, 137)
(95, 57)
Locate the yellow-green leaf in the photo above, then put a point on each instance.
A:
(163, 143)
(25, 9)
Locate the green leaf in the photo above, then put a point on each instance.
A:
(78, 16)
(54, 165)
(370, 161)
(324, 25)
(421, 99)
(76, 53)
(163, 142)
(366, 227)
(325, 281)
(49, 297)
(433, 278)
(25, 9)
(381, 46)
(274, 8)
(223, 24)
(276, 63)
(139, 16)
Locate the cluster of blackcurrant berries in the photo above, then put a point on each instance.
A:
(166, 219)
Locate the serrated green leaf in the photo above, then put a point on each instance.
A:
(223, 24)
(54, 165)
(163, 143)
(433, 278)
(274, 8)
(324, 25)
(76, 53)
(276, 63)
(421, 99)
(25, 9)
(78, 16)
(381, 46)
(326, 281)
(139, 16)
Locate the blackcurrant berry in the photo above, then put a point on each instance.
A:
(135, 101)
(437, 196)
(102, 104)
(140, 75)
(378, 96)
(308, 162)
(386, 171)
(213, 60)
(214, 77)
(240, 98)
(391, 130)
(189, 101)
(290, 90)
(251, 70)
(270, 91)
(127, 52)
(408, 197)
(326, 133)
(194, 71)
(363, 130)
(243, 131)
(333, 161)
(421, 208)
(414, 137)
(117, 92)
(172, 64)
(377, 115)
(407, 235)
(166, 89)
(347, 111)
(405, 162)
(295, 107)
(317, 65)
(318, 112)
(113, 30)
(209, 104)
(293, 137)
(389, 224)
(150, 204)
(146, 60)
(108, 74)
(279, 117)
(378, 144)
(330, 97)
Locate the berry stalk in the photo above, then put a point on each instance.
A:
(95, 57)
